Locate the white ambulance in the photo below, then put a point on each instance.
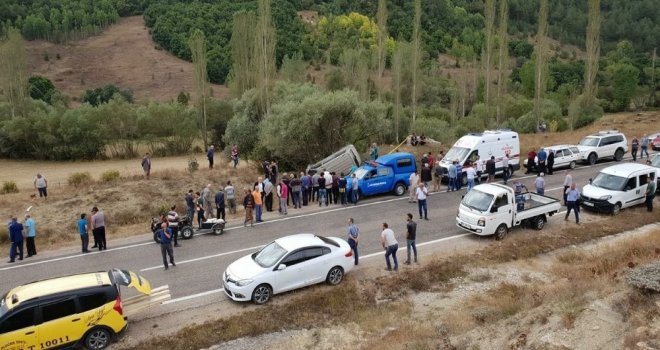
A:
(480, 147)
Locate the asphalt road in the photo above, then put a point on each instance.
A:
(201, 260)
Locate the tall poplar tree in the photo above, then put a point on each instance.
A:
(264, 54)
(593, 53)
(242, 52)
(398, 67)
(503, 61)
(381, 17)
(197, 44)
(416, 41)
(13, 72)
(489, 34)
(539, 75)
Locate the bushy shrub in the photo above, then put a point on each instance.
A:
(193, 165)
(517, 106)
(9, 187)
(110, 176)
(436, 129)
(550, 111)
(79, 179)
(580, 115)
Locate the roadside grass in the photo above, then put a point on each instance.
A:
(353, 303)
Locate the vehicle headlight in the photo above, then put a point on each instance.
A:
(481, 222)
(605, 198)
(243, 283)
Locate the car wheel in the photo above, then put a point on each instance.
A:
(616, 209)
(592, 158)
(539, 222)
(218, 229)
(572, 165)
(501, 232)
(618, 155)
(262, 294)
(335, 276)
(187, 232)
(400, 189)
(97, 339)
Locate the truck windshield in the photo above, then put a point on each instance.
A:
(477, 200)
(609, 182)
(361, 172)
(589, 141)
(457, 153)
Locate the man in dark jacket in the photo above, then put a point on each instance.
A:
(490, 169)
(426, 176)
(165, 235)
(551, 161)
(16, 240)
(219, 203)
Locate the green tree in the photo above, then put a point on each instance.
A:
(623, 78)
(41, 88)
(197, 43)
(503, 60)
(382, 43)
(593, 53)
(416, 43)
(13, 72)
(293, 68)
(265, 54)
(489, 34)
(540, 75)
(243, 52)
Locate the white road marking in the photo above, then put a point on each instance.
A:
(193, 296)
(202, 258)
(266, 222)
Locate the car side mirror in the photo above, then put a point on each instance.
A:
(281, 267)
(590, 181)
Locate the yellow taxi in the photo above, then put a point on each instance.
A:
(71, 311)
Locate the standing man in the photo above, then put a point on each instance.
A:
(258, 203)
(505, 168)
(234, 155)
(315, 186)
(16, 240)
(353, 233)
(539, 183)
(572, 198)
(98, 228)
(231, 197)
(41, 185)
(354, 189)
(414, 181)
(220, 203)
(306, 185)
(645, 147)
(551, 162)
(83, 230)
(650, 193)
(426, 175)
(165, 235)
(479, 167)
(146, 165)
(568, 181)
(411, 235)
(173, 224)
(190, 206)
(390, 245)
(530, 160)
(634, 147)
(268, 190)
(437, 177)
(542, 156)
(342, 189)
(421, 194)
(451, 171)
(471, 174)
(207, 197)
(283, 194)
(328, 188)
(209, 155)
(459, 175)
(273, 172)
(490, 169)
(373, 153)
(248, 204)
(31, 234)
(296, 188)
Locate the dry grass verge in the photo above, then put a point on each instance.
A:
(350, 303)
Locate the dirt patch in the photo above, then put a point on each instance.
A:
(123, 55)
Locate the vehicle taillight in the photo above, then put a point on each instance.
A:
(349, 254)
(118, 306)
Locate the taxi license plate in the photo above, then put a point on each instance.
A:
(589, 204)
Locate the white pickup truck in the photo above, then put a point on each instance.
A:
(494, 209)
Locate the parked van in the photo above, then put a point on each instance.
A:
(342, 161)
(77, 310)
(617, 187)
(473, 146)
(388, 173)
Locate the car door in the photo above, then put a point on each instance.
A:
(378, 182)
(18, 330)
(61, 324)
(316, 265)
(640, 192)
(631, 192)
(560, 158)
(502, 210)
(291, 276)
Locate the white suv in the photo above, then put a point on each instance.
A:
(603, 144)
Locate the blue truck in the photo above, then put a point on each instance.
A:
(388, 173)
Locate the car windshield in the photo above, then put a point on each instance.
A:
(655, 161)
(477, 200)
(589, 141)
(361, 172)
(269, 255)
(609, 182)
(457, 153)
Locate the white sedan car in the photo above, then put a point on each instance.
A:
(288, 263)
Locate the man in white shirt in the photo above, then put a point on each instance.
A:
(479, 167)
(173, 223)
(539, 183)
(414, 180)
(421, 192)
(390, 245)
(41, 185)
(568, 181)
(471, 174)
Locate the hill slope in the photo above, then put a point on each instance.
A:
(123, 55)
